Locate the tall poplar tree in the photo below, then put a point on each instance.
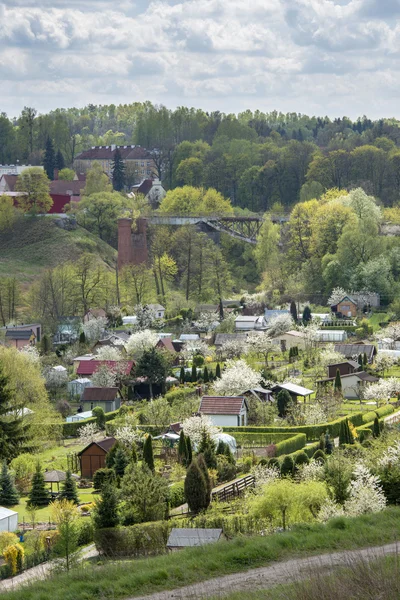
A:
(59, 160)
(49, 159)
(118, 172)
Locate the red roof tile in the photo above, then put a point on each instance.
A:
(88, 367)
(221, 405)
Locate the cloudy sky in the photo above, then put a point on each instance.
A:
(331, 57)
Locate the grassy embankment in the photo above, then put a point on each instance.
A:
(117, 580)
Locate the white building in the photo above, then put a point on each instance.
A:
(249, 323)
(8, 520)
(76, 386)
(353, 385)
(331, 335)
(225, 411)
(158, 309)
(15, 169)
(79, 417)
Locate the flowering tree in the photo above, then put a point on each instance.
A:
(314, 414)
(127, 435)
(109, 353)
(313, 471)
(382, 390)
(145, 316)
(336, 296)
(329, 356)
(87, 433)
(207, 321)
(104, 376)
(389, 336)
(279, 325)
(196, 427)
(94, 328)
(264, 475)
(391, 456)
(236, 378)
(310, 337)
(383, 362)
(231, 349)
(32, 354)
(365, 493)
(262, 344)
(140, 342)
(193, 347)
(330, 510)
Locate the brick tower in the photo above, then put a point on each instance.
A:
(132, 243)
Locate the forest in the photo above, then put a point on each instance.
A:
(261, 161)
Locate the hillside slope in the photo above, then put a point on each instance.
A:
(36, 244)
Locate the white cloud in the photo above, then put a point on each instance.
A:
(321, 56)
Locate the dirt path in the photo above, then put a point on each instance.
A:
(266, 577)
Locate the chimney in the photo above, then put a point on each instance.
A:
(55, 175)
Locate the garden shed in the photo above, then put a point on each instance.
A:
(331, 335)
(8, 519)
(190, 537)
(225, 411)
(293, 389)
(93, 457)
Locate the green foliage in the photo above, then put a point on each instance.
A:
(301, 459)
(68, 490)
(182, 375)
(118, 171)
(189, 451)
(39, 495)
(49, 159)
(306, 315)
(206, 378)
(102, 477)
(226, 470)
(338, 382)
(293, 311)
(12, 434)
(106, 508)
(194, 373)
(144, 539)
(291, 444)
(182, 448)
(99, 414)
(338, 473)
(218, 371)
(121, 461)
(319, 455)
(8, 492)
(177, 494)
(287, 466)
(153, 365)
(196, 492)
(148, 457)
(145, 494)
(207, 450)
(66, 175)
(283, 400)
(345, 435)
(376, 429)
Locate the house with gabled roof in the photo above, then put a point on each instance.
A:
(107, 398)
(346, 307)
(225, 411)
(93, 456)
(353, 384)
(86, 368)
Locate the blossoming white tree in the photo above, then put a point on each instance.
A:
(94, 328)
(366, 494)
(109, 353)
(384, 361)
(231, 349)
(262, 344)
(104, 376)
(382, 390)
(264, 474)
(87, 433)
(140, 342)
(31, 352)
(236, 378)
(329, 356)
(127, 435)
(193, 347)
(336, 296)
(279, 325)
(207, 321)
(391, 456)
(196, 427)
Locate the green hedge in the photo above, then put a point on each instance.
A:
(311, 449)
(296, 442)
(260, 439)
(383, 411)
(231, 525)
(72, 429)
(144, 539)
(313, 432)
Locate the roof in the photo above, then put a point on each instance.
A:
(352, 363)
(166, 343)
(182, 538)
(185, 337)
(59, 368)
(10, 180)
(144, 187)
(222, 405)
(68, 188)
(222, 338)
(99, 394)
(107, 152)
(56, 476)
(270, 314)
(88, 367)
(298, 390)
(6, 512)
(96, 312)
(243, 318)
(259, 390)
(294, 333)
(360, 374)
(105, 444)
(156, 306)
(82, 416)
(347, 298)
(350, 350)
(81, 380)
(19, 334)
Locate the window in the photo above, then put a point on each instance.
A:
(142, 164)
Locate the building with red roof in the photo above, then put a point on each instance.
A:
(86, 368)
(225, 411)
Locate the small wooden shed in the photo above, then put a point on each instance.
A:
(93, 457)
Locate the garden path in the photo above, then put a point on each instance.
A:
(279, 573)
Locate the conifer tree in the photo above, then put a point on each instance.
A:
(82, 338)
(45, 344)
(189, 452)
(365, 360)
(182, 450)
(306, 315)
(338, 382)
(207, 449)
(121, 461)
(182, 375)
(283, 400)
(196, 492)
(118, 172)
(203, 467)
(69, 491)
(59, 160)
(328, 444)
(376, 430)
(133, 453)
(148, 453)
(110, 457)
(293, 311)
(206, 378)
(106, 510)
(38, 495)
(218, 372)
(49, 159)
(194, 373)
(8, 491)
(360, 361)
(287, 466)
(12, 430)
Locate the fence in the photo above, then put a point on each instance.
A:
(234, 489)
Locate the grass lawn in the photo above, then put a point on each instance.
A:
(56, 457)
(43, 514)
(377, 318)
(117, 580)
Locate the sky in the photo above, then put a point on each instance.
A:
(321, 57)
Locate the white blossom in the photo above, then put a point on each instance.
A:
(330, 510)
(329, 356)
(261, 343)
(231, 349)
(195, 427)
(254, 301)
(193, 347)
(264, 474)
(207, 321)
(109, 353)
(236, 378)
(366, 494)
(31, 354)
(56, 379)
(279, 325)
(140, 342)
(87, 433)
(389, 335)
(336, 296)
(127, 435)
(313, 471)
(384, 361)
(94, 328)
(391, 456)
(104, 376)
(145, 316)
(314, 414)
(384, 389)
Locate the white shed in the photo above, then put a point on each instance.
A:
(8, 519)
(250, 323)
(331, 335)
(225, 411)
(79, 417)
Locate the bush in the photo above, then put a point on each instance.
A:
(177, 494)
(301, 459)
(319, 455)
(311, 449)
(297, 442)
(101, 476)
(144, 539)
(225, 469)
(7, 539)
(287, 466)
(85, 532)
(274, 462)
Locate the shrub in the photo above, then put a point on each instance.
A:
(106, 509)
(287, 466)
(7, 539)
(177, 494)
(102, 476)
(297, 442)
(14, 557)
(196, 492)
(100, 416)
(225, 469)
(85, 532)
(301, 459)
(274, 462)
(144, 539)
(319, 455)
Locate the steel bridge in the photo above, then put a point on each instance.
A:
(242, 228)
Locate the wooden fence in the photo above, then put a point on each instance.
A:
(232, 490)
